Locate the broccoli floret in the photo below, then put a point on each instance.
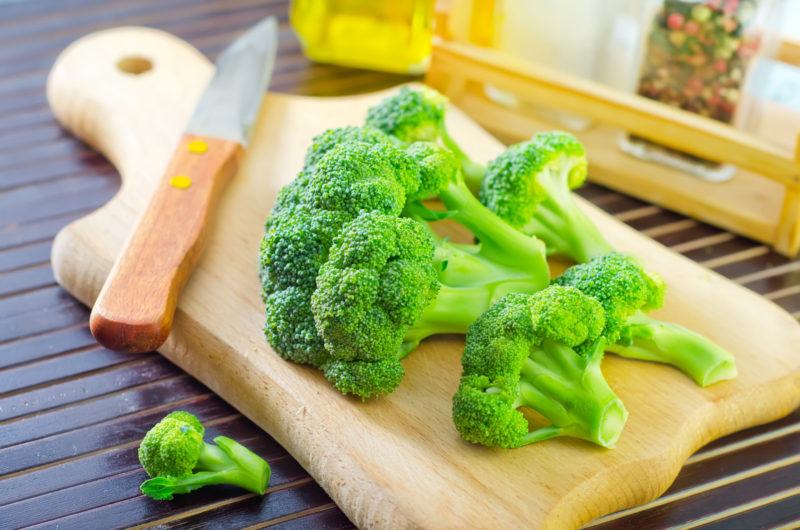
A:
(355, 176)
(542, 351)
(322, 143)
(378, 296)
(291, 194)
(353, 307)
(502, 254)
(529, 185)
(174, 454)
(626, 292)
(414, 115)
(350, 178)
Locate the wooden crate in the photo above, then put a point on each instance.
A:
(761, 201)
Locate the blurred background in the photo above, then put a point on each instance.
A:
(72, 413)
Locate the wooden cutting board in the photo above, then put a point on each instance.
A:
(397, 462)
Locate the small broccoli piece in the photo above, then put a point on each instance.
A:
(174, 454)
(542, 351)
(529, 186)
(626, 291)
(414, 115)
(378, 296)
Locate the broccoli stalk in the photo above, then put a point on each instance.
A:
(649, 339)
(542, 351)
(626, 291)
(503, 254)
(174, 454)
(499, 243)
(452, 312)
(418, 116)
(529, 185)
(473, 172)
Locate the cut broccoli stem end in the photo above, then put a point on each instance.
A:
(572, 393)
(452, 311)
(499, 241)
(567, 231)
(235, 464)
(473, 172)
(698, 357)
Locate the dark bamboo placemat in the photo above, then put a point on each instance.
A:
(72, 413)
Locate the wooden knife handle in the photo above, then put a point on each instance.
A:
(134, 310)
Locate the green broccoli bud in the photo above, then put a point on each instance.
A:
(356, 176)
(377, 281)
(174, 454)
(291, 195)
(378, 296)
(626, 291)
(322, 143)
(418, 116)
(541, 351)
(529, 186)
(349, 178)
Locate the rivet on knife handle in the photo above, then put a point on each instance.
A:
(136, 305)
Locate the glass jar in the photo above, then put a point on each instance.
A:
(392, 36)
(696, 57)
(603, 38)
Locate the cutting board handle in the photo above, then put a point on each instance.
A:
(109, 89)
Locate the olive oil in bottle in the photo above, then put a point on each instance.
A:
(389, 35)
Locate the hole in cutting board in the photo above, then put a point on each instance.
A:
(135, 65)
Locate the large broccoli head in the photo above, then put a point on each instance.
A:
(540, 351)
(348, 179)
(620, 284)
(378, 279)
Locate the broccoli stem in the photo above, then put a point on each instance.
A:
(570, 391)
(227, 462)
(499, 241)
(452, 311)
(566, 229)
(463, 265)
(473, 172)
(163, 487)
(665, 342)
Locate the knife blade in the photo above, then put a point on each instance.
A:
(229, 106)
(135, 308)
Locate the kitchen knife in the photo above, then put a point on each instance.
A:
(136, 305)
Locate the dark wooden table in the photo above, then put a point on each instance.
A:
(72, 413)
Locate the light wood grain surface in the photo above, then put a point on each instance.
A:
(396, 462)
(761, 201)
